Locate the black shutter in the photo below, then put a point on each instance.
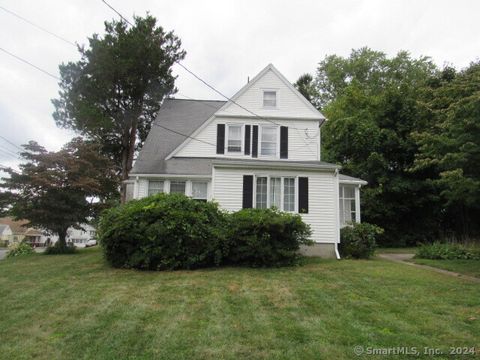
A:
(247, 139)
(220, 138)
(255, 141)
(283, 142)
(303, 195)
(247, 191)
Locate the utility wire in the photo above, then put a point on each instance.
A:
(29, 63)
(8, 151)
(11, 143)
(37, 26)
(203, 81)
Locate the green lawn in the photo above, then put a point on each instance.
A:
(76, 307)
(403, 250)
(467, 267)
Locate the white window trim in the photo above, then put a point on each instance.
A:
(269, 107)
(188, 185)
(277, 147)
(282, 182)
(242, 140)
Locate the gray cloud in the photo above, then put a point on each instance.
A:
(226, 41)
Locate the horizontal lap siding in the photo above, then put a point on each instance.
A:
(300, 146)
(322, 197)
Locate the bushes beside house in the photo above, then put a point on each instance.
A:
(447, 251)
(165, 232)
(358, 240)
(265, 237)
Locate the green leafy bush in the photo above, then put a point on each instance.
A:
(19, 249)
(163, 232)
(265, 237)
(447, 251)
(58, 249)
(358, 240)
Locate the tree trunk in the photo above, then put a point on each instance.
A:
(128, 150)
(62, 235)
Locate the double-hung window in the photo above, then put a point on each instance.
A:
(269, 98)
(177, 187)
(199, 190)
(347, 204)
(269, 141)
(234, 138)
(155, 187)
(279, 192)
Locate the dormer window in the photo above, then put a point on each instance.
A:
(270, 98)
(234, 139)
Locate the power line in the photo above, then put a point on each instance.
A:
(11, 143)
(9, 154)
(38, 26)
(8, 150)
(29, 63)
(121, 16)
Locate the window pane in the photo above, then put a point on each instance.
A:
(349, 192)
(234, 138)
(261, 202)
(275, 192)
(155, 187)
(177, 187)
(268, 141)
(269, 98)
(289, 194)
(199, 190)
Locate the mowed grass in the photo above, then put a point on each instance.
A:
(76, 307)
(467, 267)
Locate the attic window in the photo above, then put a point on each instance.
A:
(269, 98)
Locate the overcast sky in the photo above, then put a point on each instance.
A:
(226, 41)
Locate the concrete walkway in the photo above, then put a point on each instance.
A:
(403, 258)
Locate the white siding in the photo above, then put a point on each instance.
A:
(303, 143)
(288, 102)
(322, 215)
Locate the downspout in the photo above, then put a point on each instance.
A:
(337, 254)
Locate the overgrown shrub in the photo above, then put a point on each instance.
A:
(447, 251)
(163, 232)
(19, 249)
(58, 249)
(265, 237)
(358, 240)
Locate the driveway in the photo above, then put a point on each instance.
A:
(3, 254)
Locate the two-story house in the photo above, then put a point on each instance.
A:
(259, 150)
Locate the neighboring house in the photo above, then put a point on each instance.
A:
(79, 237)
(20, 231)
(261, 149)
(5, 234)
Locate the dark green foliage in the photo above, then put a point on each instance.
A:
(371, 102)
(163, 232)
(447, 251)
(53, 190)
(113, 93)
(19, 249)
(265, 237)
(358, 241)
(60, 249)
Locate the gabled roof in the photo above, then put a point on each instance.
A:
(287, 83)
(18, 227)
(179, 117)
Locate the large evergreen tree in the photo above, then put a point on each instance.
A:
(113, 93)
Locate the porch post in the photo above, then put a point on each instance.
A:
(357, 204)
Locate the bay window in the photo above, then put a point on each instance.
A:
(269, 140)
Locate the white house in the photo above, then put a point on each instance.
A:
(260, 149)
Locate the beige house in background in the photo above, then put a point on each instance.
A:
(13, 231)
